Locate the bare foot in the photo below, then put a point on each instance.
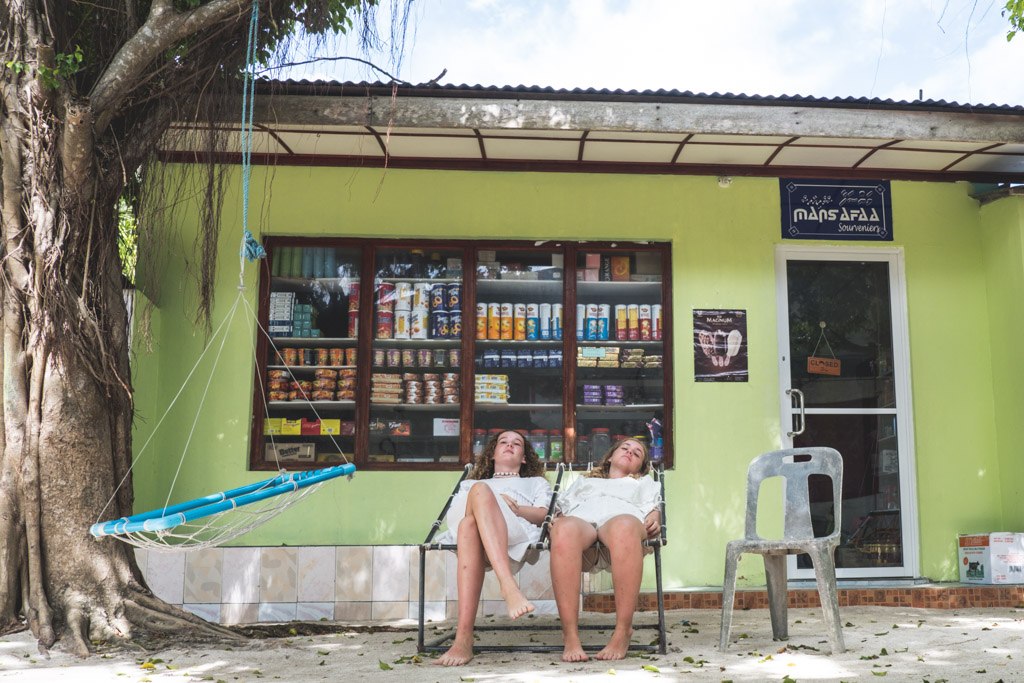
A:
(457, 655)
(573, 651)
(617, 647)
(516, 602)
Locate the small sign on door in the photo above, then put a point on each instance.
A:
(816, 365)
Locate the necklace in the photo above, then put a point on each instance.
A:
(504, 475)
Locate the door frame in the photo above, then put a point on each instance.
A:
(901, 375)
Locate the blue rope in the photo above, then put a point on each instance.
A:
(251, 249)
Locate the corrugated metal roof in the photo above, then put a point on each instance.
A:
(327, 88)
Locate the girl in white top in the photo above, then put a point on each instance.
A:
(495, 515)
(618, 505)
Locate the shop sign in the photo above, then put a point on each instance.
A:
(836, 209)
(817, 365)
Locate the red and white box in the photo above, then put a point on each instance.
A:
(991, 558)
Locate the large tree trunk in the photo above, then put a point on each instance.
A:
(67, 405)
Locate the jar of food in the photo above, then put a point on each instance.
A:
(556, 446)
(479, 441)
(583, 450)
(600, 442)
(539, 441)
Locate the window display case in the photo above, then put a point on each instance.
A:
(518, 347)
(620, 360)
(415, 381)
(410, 355)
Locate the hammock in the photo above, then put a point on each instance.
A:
(200, 523)
(220, 517)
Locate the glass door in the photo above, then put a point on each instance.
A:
(845, 384)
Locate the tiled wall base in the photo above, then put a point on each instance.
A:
(935, 596)
(350, 583)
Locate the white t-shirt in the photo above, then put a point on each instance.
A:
(529, 491)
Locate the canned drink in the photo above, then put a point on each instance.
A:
(544, 321)
(604, 315)
(633, 322)
(455, 324)
(439, 324)
(519, 322)
(556, 321)
(385, 325)
(438, 298)
(421, 295)
(507, 322)
(440, 358)
(323, 357)
(621, 326)
(337, 356)
(494, 321)
(379, 358)
(592, 329)
(454, 293)
(408, 358)
(353, 323)
(481, 321)
(290, 356)
(350, 356)
(419, 323)
(581, 325)
(403, 296)
(394, 358)
(644, 319)
(656, 322)
(423, 358)
(454, 358)
(403, 320)
(386, 296)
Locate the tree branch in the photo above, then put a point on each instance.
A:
(394, 79)
(163, 28)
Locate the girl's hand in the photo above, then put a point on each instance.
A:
(513, 505)
(652, 523)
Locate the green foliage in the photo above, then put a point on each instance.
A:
(127, 239)
(1013, 11)
(65, 66)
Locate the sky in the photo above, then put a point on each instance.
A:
(952, 50)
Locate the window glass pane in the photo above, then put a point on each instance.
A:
(310, 380)
(519, 314)
(619, 320)
(415, 389)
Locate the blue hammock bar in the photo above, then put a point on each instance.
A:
(164, 519)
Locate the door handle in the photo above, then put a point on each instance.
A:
(799, 396)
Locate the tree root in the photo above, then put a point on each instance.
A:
(155, 623)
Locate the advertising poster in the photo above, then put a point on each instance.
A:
(719, 345)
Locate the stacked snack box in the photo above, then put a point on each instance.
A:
(491, 389)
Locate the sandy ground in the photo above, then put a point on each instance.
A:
(895, 643)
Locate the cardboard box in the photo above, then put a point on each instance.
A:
(272, 425)
(291, 427)
(330, 426)
(592, 261)
(290, 452)
(620, 268)
(310, 427)
(991, 558)
(444, 426)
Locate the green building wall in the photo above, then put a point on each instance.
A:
(958, 258)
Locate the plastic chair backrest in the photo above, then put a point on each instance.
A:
(795, 473)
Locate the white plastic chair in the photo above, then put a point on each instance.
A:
(795, 465)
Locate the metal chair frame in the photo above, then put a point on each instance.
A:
(441, 642)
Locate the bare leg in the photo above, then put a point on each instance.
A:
(470, 581)
(482, 505)
(623, 536)
(570, 536)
